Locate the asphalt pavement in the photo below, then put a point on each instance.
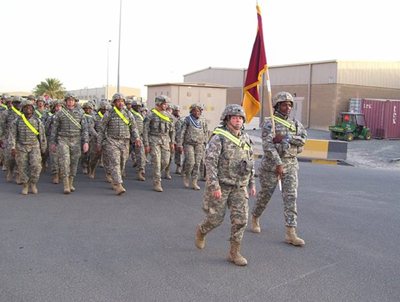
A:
(94, 246)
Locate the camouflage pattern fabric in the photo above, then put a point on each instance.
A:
(138, 153)
(54, 164)
(231, 170)
(115, 156)
(285, 154)
(68, 153)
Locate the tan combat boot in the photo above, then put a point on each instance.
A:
(178, 170)
(119, 189)
(168, 175)
(34, 189)
(25, 188)
(291, 237)
(4, 167)
(140, 175)
(186, 180)
(235, 256)
(67, 190)
(200, 239)
(91, 172)
(71, 184)
(17, 179)
(255, 224)
(56, 178)
(157, 186)
(9, 175)
(85, 171)
(108, 177)
(194, 184)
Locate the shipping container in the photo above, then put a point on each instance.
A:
(382, 117)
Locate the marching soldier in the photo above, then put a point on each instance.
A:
(191, 140)
(6, 118)
(3, 107)
(158, 138)
(117, 130)
(68, 131)
(27, 141)
(94, 156)
(279, 163)
(178, 125)
(230, 170)
(55, 106)
(139, 153)
(88, 107)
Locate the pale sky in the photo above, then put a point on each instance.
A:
(161, 40)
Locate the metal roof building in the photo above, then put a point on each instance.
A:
(321, 89)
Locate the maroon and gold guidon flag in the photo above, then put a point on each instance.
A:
(257, 66)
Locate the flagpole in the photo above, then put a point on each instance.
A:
(269, 98)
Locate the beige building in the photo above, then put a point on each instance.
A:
(99, 93)
(211, 96)
(321, 89)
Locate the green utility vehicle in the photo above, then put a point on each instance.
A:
(350, 125)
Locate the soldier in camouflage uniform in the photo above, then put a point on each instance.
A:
(170, 110)
(279, 163)
(191, 140)
(27, 141)
(230, 170)
(178, 126)
(158, 138)
(40, 110)
(54, 163)
(68, 131)
(117, 130)
(6, 118)
(88, 107)
(138, 154)
(3, 107)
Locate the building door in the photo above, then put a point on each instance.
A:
(297, 109)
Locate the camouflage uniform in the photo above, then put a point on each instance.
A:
(138, 153)
(285, 154)
(29, 147)
(3, 107)
(230, 169)
(69, 134)
(159, 133)
(54, 163)
(192, 137)
(114, 137)
(6, 118)
(92, 138)
(178, 126)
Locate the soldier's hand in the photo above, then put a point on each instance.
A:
(14, 152)
(147, 149)
(172, 147)
(216, 194)
(279, 170)
(180, 150)
(277, 139)
(53, 148)
(252, 191)
(99, 150)
(138, 143)
(85, 147)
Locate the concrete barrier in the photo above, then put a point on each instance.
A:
(324, 151)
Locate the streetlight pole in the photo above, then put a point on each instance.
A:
(108, 65)
(119, 42)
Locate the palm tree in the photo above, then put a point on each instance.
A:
(53, 87)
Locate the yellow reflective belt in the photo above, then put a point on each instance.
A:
(285, 123)
(122, 116)
(138, 114)
(38, 113)
(238, 142)
(88, 115)
(71, 118)
(161, 115)
(50, 114)
(101, 114)
(4, 106)
(16, 111)
(29, 125)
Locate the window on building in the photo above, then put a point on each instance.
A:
(209, 94)
(189, 94)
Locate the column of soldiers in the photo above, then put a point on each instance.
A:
(123, 128)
